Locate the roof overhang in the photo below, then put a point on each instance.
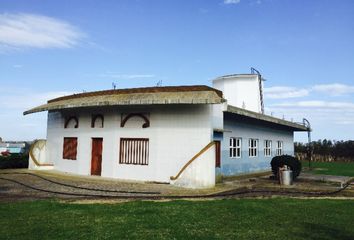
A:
(220, 130)
(138, 96)
(266, 118)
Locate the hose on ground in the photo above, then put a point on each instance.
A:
(214, 195)
(78, 187)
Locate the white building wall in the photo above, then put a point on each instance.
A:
(176, 134)
(218, 115)
(200, 173)
(39, 153)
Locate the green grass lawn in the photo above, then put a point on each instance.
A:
(277, 218)
(332, 168)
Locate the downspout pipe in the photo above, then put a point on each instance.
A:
(309, 145)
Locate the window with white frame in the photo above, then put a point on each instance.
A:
(267, 148)
(235, 147)
(279, 149)
(252, 147)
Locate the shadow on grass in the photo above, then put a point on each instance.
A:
(316, 231)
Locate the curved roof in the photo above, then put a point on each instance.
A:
(199, 94)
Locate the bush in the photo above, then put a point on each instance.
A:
(14, 161)
(290, 161)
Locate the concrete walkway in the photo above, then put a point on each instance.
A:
(324, 178)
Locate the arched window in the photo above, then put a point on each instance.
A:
(97, 121)
(71, 122)
(146, 123)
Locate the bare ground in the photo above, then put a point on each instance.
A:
(24, 185)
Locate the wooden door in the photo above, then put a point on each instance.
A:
(96, 156)
(217, 154)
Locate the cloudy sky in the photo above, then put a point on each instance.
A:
(304, 49)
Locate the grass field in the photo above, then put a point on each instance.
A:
(332, 168)
(277, 218)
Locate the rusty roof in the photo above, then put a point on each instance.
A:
(197, 94)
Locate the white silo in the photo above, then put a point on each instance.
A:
(242, 90)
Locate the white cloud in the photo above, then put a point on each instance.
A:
(232, 1)
(18, 31)
(317, 104)
(345, 122)
(284, 92)
(329, 119)
(126, 76)
(326, 112)
(334, 89)
(17, 66)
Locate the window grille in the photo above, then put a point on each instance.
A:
(134, 151)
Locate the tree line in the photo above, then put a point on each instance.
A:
(336, 150)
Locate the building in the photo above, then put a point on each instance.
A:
(7, 148)
(183, 135)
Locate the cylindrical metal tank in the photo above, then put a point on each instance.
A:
(286, 177)
(241, 90)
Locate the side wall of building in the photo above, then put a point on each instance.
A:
(176, 134)
(245, 129)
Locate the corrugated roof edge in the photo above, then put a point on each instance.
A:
(266, 118)
(140, 90)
